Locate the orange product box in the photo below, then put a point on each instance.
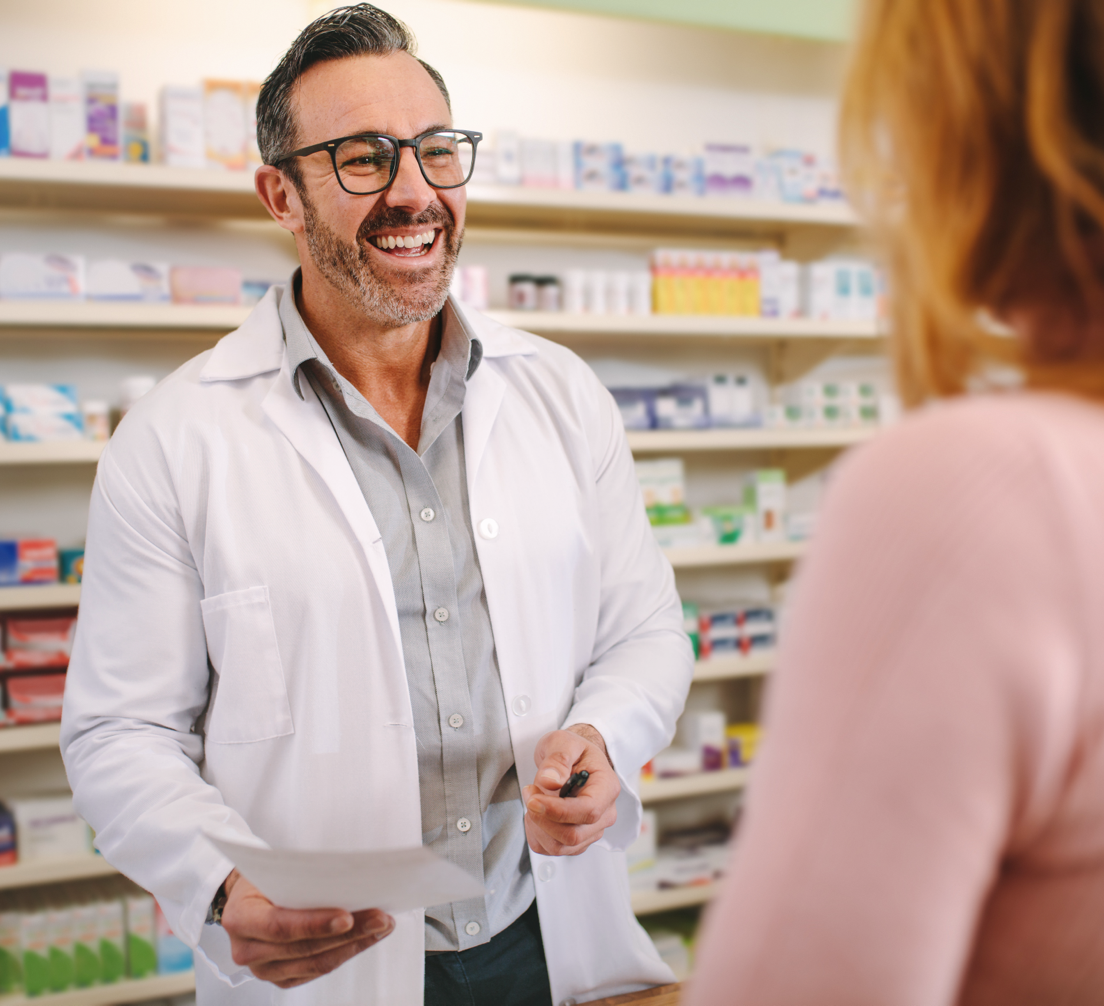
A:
(200, 284)
(35, 698)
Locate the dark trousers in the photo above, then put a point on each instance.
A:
(508, 971)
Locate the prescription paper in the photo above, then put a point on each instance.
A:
(395, 880)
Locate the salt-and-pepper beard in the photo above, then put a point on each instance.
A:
(390, 301)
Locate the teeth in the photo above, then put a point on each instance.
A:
(390, 241)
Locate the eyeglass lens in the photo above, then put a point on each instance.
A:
(364, 164)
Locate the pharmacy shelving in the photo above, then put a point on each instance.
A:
(30, 737)
(53, 871)
(727, 780)
(131, 990)
(51, 452)
(157, 189)
(680, 441)
(729, 667)
(213, 320)
(650, 902)
(752, 554)
(48, 595)
(665, 326)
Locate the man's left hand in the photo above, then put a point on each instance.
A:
(567, 826)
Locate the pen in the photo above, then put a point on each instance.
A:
(574, 783)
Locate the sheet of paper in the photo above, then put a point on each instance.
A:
(392, 879)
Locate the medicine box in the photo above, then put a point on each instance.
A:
(66, 119)
(704, 732)
(115, 279)
(5, 127)
(251, 90)
(136, 138)
(54, 276)
(103, 135)
(47, 827)
(28, 561)
(729, 170)
(29, 114)
(663, 486)
(205, 285)
(682, 407)
(599, 167)
(183, 143)
(765, 492)
(224, 125)
(141, 935)
(683, 176)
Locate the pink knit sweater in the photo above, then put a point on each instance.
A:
(926, 825)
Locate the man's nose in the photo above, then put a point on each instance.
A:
(410, 190)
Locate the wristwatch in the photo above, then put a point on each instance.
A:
(217, 906)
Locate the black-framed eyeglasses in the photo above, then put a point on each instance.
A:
(367, 163)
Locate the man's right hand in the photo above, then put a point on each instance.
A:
(289, 947)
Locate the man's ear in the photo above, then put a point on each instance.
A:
(280, 197)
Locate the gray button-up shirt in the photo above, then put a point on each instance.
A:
(472, 812)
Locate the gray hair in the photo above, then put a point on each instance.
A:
(358, 30)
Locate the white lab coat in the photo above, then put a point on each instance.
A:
(238, 665)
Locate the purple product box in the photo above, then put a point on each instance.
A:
(101, 116)
(729, 170)
(637, 407)
(29, 114)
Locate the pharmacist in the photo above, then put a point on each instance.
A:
(375, 572)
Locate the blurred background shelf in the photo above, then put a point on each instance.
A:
(49, 595)
(51, 452)
(98, 315)
(31, 737)
(723, 781)
(728, 667)
(649, 902)
(52, 871)
(657, 441)
(127, 991)
(735, 555)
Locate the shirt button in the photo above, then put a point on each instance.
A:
(521, 705)
(488, 527)
(456, 721)
(545, 872)
(441, 614)
(427, 514)
(472, 928)
(464, 825)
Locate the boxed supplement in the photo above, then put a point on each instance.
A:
(538, 164)
(114, 279)
(173, 954)
(42, 635)
(251, 91)
(136, 137)
(54, 276)
(704, 733)
(690, 625)
(732, 525)
(103, 141)
(743, 743)
(28, 561)
(59, 936)
(183, 143)
(205, 285)
(599, 167)
(682, 407)
(28, 427)
(111, 926)
(47, 827)
(29, 114)
(729, 170)
(663, 485)
(141, 934)
(44, 399)
(66, 119)
(765, 492)
(637, 407)
(676, 761)
(224, 126)
(11, 955)
(86, 942)
(5, 129)
(7, 857)
(34, 943)
(643, 173)
(507, 159)
(683, 176)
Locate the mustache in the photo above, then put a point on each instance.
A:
(392, 218)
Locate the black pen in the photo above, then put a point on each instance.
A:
(574, 783)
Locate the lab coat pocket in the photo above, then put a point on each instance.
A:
(251, 700)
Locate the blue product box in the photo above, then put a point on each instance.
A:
(599, 167)
(682, 407)
(683, 176)
(643, 173)
(637, 407)
(9, 563)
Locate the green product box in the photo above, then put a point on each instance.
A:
(86, 944)
(690, 625)
(141, 936)
(111, 926)
(59, 932)
(70, 565)
(731, 524)
(34, 946)
(11, 967)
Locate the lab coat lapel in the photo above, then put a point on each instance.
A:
(306, 425)
(482, 400)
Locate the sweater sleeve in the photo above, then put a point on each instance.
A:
(918, 727)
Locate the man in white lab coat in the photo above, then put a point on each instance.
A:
(372, 573)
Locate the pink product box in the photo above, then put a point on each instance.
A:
(205, 285)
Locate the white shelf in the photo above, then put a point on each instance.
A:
(754, 553)
(649, 902)
(682, 326)
(157, 189)
(49, 595)
(51, 452)
(55, 871)
(729, 666)
(30, 737)
(726, 780)
(125, 991)
(657, 441)
(207, 318)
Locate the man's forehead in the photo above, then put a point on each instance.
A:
(384, 93)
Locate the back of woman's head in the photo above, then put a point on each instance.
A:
(972, 137)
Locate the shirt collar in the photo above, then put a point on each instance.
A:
(460, 346)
